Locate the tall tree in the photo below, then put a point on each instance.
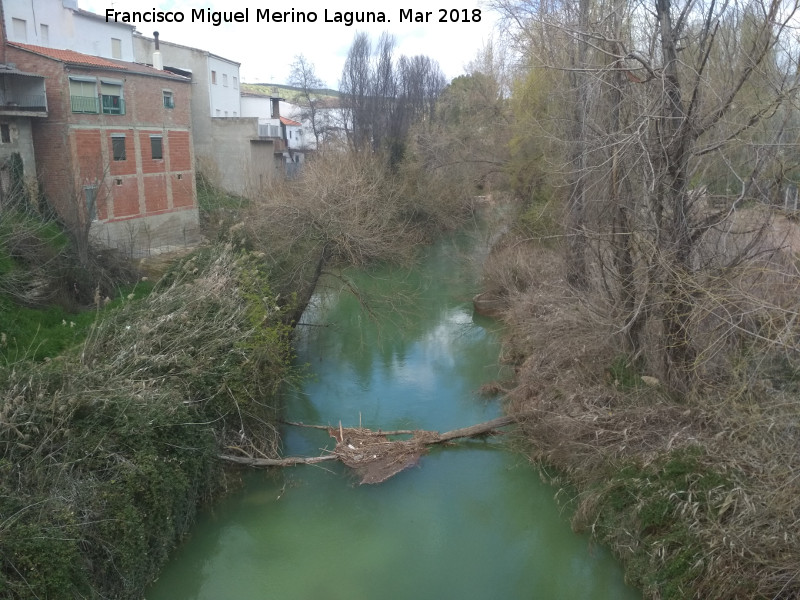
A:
(304, 77)
(669, 99)
(383, 95)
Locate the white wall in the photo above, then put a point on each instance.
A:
(223, 85)
(65, 28)
(260, 107)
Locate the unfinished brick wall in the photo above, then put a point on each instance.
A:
(74, 150)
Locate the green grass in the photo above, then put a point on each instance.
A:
(624, 374)
(211, 199)
(649, 503)
(37, 334)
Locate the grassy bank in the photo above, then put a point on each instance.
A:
(107, 450)
(697, 494)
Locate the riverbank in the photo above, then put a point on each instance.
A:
(697, 495)
(109, 449)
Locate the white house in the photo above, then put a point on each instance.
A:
(61, 24)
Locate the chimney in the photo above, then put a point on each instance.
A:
(276, 108)
(158, 60)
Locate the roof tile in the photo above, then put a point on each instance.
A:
(85, 60)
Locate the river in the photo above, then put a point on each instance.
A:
(471, 521)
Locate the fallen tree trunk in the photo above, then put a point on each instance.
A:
(289, 461)
(371, 453)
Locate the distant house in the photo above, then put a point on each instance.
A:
(290, 135)
(114, 153)
(329, 118)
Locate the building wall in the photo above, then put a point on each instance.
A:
(246, 165)
(224, 87)
(213, 157)
(253, 106)
(139, 200)
(65, 28)
(21, 142)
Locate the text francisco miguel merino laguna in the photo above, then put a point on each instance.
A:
(265, 15)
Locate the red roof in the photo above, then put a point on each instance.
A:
(85, 60)
(286, 121)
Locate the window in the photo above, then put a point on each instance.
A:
(118, 147)
(156, 148)
(235, 83)
(90, 195)
(226, 113)
(5, 133)
(116, 48)
(225, 79)
(20, 27)
(44, 34)
(111, 97)
(83, 95)
(169, 99)
(214, 77)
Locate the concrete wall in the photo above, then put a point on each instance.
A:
(66, 28)
(243, 164)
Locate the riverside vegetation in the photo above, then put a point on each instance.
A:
(110, 429)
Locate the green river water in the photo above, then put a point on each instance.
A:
(472, 521)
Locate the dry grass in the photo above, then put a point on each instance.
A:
(699, 495)
(106, 452)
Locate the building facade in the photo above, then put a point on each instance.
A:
(61, 24)
(215, 97)
(114, 155)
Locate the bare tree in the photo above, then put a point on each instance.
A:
(303, 76)
(384, 96)
(355, 87)
(669, 100)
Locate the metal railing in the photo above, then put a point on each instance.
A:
(33, 102)
(110, 105)
(269, 131)
(85, 104)
(113, 105)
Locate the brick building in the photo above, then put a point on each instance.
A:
(114, 155)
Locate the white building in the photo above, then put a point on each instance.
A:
(294, 139)
(61, 24)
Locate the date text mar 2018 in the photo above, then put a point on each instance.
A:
(443, 15)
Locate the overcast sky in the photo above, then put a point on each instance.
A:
(266, 49)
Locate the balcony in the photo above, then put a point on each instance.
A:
(85, 104)
(110, 105)
(269, 131)
(21, 94)
(113, 105)
(27, 102)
